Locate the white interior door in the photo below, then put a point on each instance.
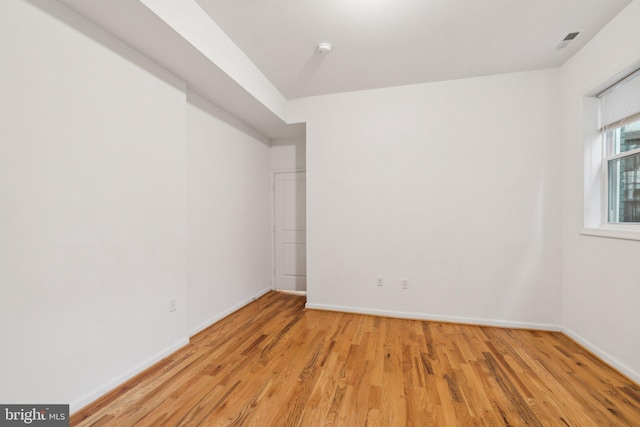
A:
(290, 228)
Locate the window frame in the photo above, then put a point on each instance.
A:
(595, 166)
(608, 141)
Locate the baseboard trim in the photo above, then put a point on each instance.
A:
(120, 379)
(204, 325)
(603, 355)
(437, 318)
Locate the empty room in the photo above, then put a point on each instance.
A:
(349, 213)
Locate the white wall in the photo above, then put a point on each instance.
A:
(601, 285)
(453, 185)
(97, 210)
(287, 154)
(93, 217)
(229, 255)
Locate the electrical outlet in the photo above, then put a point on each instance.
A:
(173, 305)
(405, 283)
(379, 281)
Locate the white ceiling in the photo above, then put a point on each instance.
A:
(134, 23)
(382, 43)
(376, 43)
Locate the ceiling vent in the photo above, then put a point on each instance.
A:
(568, 38)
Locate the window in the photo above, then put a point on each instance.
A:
(622, 164)
(619, 111)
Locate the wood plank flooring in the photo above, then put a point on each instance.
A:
(273, 363)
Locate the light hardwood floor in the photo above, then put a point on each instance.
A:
(273, 363)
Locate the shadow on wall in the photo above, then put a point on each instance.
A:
(530, 261)
(217, 112)
(83, 26)
(288, 154)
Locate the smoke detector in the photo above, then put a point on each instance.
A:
(568, 38)
(324, 48)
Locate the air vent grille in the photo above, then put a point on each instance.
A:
(568, 38)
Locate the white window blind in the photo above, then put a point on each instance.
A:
(620, 103)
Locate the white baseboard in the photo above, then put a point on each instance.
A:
(437, 318)
(120, 379)
(610, 360)
(115, 382)
(206, 324)
(607, 358)
(613, 362)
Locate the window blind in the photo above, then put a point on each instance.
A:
(620, 103)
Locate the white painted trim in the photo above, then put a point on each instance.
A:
(618, 233)
(299, 293)
(437, 318)
(225, 313)
(272, 230)
(595, 173)
(107, 387)
(274, 173)
(606, 357)
(120, 379)
(288, 170)
(623, 154)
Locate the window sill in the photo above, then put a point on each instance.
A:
(613, 233)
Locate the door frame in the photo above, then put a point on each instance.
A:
(273, 218)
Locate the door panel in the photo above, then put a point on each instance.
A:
(294, 259)
(290, 228)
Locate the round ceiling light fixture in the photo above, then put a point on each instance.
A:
(324, 48)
